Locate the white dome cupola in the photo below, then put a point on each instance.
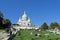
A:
(28, 19)
(24, 17)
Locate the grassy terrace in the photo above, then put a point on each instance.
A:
(25, 35)
(1, 30)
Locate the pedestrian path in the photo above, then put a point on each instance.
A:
(6, 36)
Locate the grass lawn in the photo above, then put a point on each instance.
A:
(25, 35)
(1, 30)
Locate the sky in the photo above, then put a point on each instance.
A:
(39, 11)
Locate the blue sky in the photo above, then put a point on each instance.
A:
(39, 11)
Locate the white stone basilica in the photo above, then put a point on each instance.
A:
(25, 22)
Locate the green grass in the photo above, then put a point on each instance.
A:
(25, 35)
(1, 30)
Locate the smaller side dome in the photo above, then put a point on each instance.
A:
(28, 19)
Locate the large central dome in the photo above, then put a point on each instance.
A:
(24, 17)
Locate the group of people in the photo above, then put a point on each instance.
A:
(8, 30)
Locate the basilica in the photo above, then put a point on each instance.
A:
(25, 23)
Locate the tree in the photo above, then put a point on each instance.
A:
(1, 18)
(54, 25)
(6, 23)
(1, 14)
(44, 26)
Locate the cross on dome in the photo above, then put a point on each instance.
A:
(25, 12)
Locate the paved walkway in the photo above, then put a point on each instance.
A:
(5, 36)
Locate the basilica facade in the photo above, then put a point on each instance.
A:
(25, 22)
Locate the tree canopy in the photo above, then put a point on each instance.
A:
(54, 25)
(4, 23)
(44, 26)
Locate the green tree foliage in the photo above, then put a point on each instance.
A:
(1, 18)
(44, 26)
(1, 14)
(54, 25)
(4, 23)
